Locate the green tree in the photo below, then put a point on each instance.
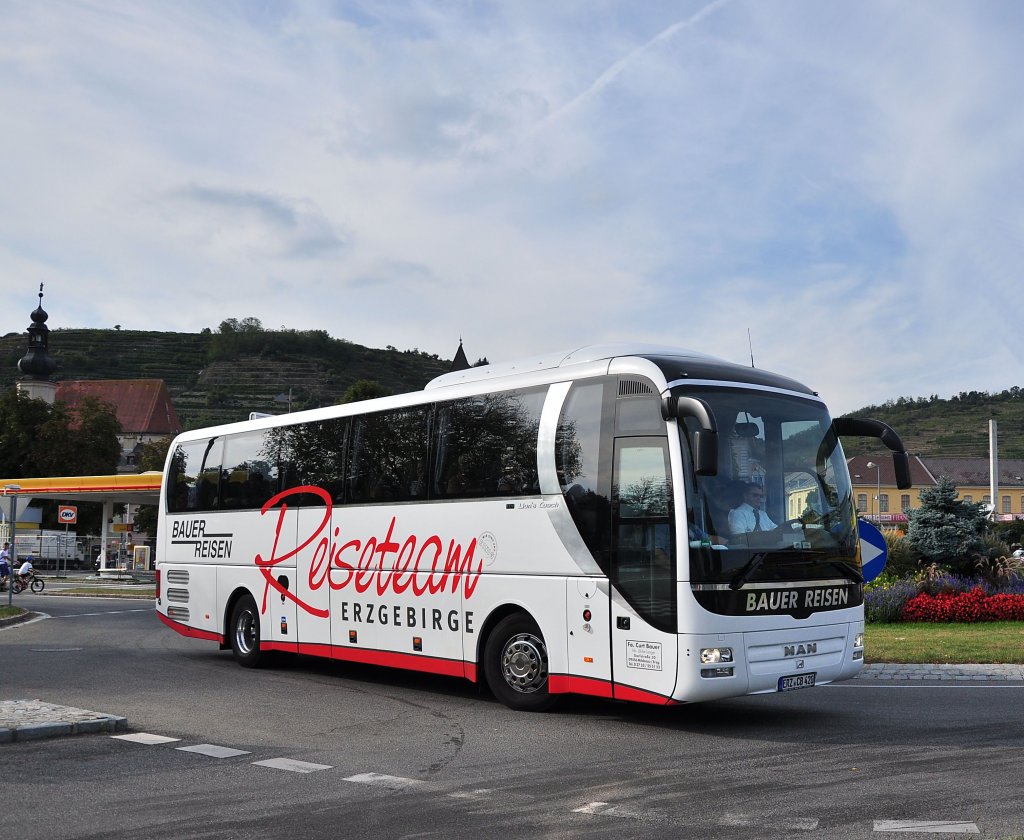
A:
(152, 457)
(363, 389)
(947, 530)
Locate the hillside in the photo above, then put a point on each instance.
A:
(944, 427)
(221, 377)
(217, 377)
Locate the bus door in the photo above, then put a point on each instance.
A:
(311, 612)
(643, 571)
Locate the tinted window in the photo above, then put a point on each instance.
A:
(389, 456)
(487, 446)
(193, 481)
(578, 458)
(251, 470)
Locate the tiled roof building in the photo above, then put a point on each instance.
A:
(144, 410)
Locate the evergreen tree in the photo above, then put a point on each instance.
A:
(945, 529)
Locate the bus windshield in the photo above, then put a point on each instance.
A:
(781, 506)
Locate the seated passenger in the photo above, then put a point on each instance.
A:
(748, 516)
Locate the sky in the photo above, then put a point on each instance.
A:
(837, 187)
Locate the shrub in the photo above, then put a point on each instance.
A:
(885, 603)
(970, 606)
(902, 559)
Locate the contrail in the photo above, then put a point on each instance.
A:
(609, 75)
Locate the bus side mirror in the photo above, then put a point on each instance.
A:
(705, 439)
(901, 464)
(861, 427)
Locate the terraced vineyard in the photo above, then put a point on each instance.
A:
(214, 378)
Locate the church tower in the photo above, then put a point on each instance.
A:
(36, 364)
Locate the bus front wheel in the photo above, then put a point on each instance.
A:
(516, 664)
(244, 633)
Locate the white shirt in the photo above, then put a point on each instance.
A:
(25, 568)
(742, 520)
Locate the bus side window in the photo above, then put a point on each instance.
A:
(487, 446)
(389, 456)
(195, 476)
(578, 462)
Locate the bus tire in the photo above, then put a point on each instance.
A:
(516, 664)
(244, 633)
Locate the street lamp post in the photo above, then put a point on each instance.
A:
(871, 465)
(12, 491)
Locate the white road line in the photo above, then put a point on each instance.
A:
(479, 793)
(606, 809)
(145, 738)
(381, 780)
(292, 765)
(213, 751)
(927, 826)
(784, 824)
(106, 612)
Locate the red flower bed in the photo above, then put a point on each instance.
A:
(964, 606)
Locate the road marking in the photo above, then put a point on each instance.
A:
(606, 809)
(381, 780)
(785, 824)
(292, 765)
(213, 751)
(927, 826)
(479, 793)
(145, 738)
(107, 612)
(53, 650)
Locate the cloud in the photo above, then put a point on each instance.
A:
(842, 181)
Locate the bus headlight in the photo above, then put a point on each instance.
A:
(858, 640)
(710, 656)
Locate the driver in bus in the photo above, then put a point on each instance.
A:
(748, 516)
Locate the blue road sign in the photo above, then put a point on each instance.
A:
(873, 550)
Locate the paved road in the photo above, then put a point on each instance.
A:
(324, 749)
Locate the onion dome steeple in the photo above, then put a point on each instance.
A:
(37, 362)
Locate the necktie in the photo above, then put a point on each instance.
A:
(757, 519)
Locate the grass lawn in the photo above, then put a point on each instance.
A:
(113, 592)
(987, 642)
(10, 612)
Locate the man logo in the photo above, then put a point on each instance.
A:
(800, 650)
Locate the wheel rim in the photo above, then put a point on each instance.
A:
(523, 663)
(245, 632)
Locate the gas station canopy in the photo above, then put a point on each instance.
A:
(136, 489)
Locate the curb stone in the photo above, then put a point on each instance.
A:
(33, 720)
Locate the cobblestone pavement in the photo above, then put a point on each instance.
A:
(953, 673)
(28, 720)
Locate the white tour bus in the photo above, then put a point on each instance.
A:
(555, 525)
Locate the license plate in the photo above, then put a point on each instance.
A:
(797, 681)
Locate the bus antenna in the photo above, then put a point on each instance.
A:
(750, 344)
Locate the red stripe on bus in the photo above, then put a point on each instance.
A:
(284, 647)
(390, 659)
(639, 695)
(569, 684)
(192, 632)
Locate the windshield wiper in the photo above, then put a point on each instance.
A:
(747, 571)
(848, 568)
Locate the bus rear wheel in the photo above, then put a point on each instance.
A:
(244, 633)
(516, 664)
